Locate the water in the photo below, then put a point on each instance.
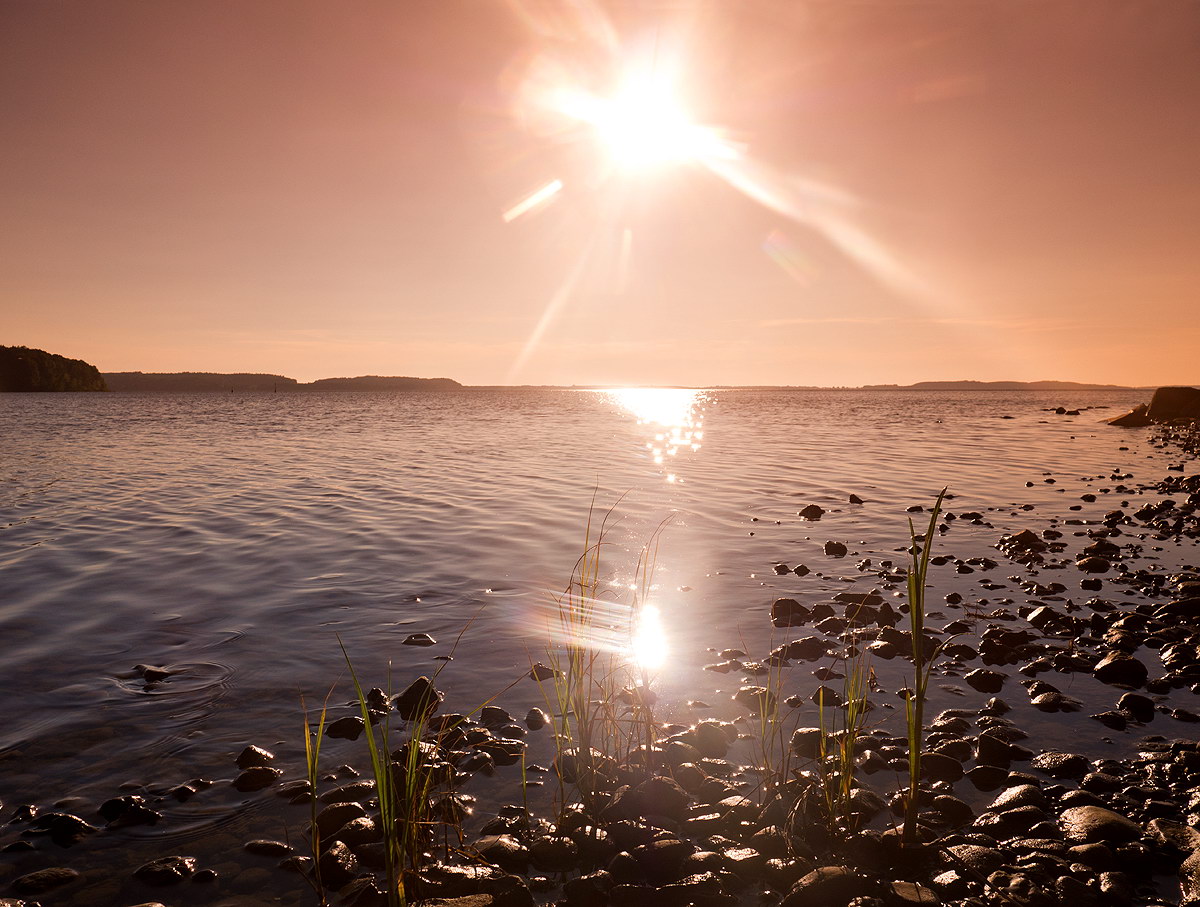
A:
(235, 538)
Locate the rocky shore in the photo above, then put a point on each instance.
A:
(702, 816)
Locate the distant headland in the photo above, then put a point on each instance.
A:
(187, 382)
(25, 369)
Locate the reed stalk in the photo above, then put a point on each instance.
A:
(914, 700)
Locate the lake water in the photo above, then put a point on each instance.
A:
(234, 538)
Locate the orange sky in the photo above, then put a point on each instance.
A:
(913, 190)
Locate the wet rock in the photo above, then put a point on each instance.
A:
(1062, 765)
(265, 848)
(855, 499)
(253, 756)
(589, 890)
(801, 570)
(1093, 565)
(419, 699)
(985, 681)
(759, 700)
(1139, 706)
(940, 767)
(554, 854)
(828, 886)
(348, 727)
(166, 870)
(540, 672)
(256, 778)
(835, 549)
(419, 639)
(63, 829)
(1122, 669)
(44, 880)
(348, 793)
(338, 865)
(536, 719)
(812, 512)
(504, 851)
(1189, 879)
(1088, 824)
(152, 673)
(806, 742)
(787, 612)
(331, 818)
(910, 894)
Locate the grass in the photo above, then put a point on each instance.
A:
(602, 702)
(914, 700)
(312, 760)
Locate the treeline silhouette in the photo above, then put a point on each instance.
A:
(25, 369)
(183, 382)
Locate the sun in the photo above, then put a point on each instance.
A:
(642, 125)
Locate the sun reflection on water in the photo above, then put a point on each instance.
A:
(673, 417)
(648, 645)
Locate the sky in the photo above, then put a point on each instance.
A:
(790, 192)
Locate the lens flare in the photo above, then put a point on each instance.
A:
(649, 643)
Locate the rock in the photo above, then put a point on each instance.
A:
(806, 742)
(1169, 403)
(419, 699)
(256, 778)
(253, 756)
(349, 727)
(536, 719)
(855, 499)
(1093, 565)
(980, 860)
(331, 818)
(833, 549)
(787, 612)
(264, 848)
(1189, 879)
(554, 854)
(349, 793)
(166, 870)
(801, 570)
(939, 767)
(812, 512)
(828, 886)
(1122, 669)
(911, 894)
(338, 865)
(540, 672)
(44, 880)
(1088, 824)
(419, 639)
(504, 851)
(64, 829)
(1135, 418)
(1062, 765)
(985, 681)
(1139, 706)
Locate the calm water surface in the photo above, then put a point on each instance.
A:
(233, 538)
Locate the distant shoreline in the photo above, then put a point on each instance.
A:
(214, 382)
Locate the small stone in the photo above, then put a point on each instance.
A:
(1088, 824)
(166, 870)
(834, 549)
(541, 672)
(44, 880)
(265, 848)
(419, 699)
(419, 639)
(256, 778)
(1122, 669)
(348, 727)
(253, 756)
(812, 512)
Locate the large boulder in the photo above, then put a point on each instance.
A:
(1174, 403)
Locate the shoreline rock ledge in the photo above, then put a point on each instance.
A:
(1169, 404)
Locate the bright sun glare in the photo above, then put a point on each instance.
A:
(642, 125)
